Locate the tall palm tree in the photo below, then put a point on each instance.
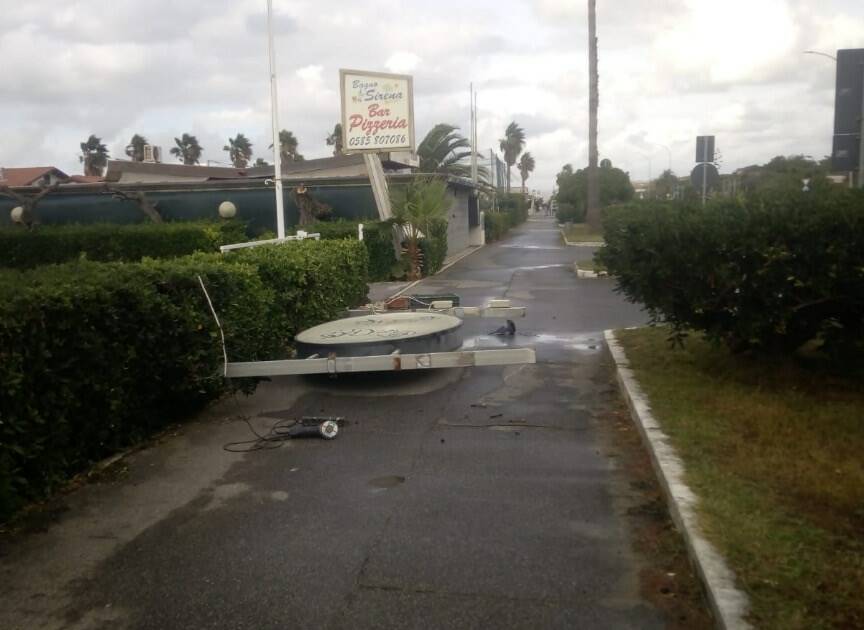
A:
(444, 151)
(526, 167)
(511, 146)
(135, 148)
(239, 150)
(94, 156)
(592, 210)
(288, 144)
(187, 150)
(335, 139)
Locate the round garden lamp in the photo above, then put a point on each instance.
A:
(17, 214)
(227, 210)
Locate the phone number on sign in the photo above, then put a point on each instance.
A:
(382, 140)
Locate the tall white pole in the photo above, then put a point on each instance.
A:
(474, 170)
(274, 116)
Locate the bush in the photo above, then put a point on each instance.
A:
(45, 245)
(515, 205)
(377, 238)
(95, 356)
(496, 225)
(434, 247)
(765, 275)
(568, 213)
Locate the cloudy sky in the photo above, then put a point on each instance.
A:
(669, 70)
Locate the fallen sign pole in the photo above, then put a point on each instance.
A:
(300, 236)
(395, 362)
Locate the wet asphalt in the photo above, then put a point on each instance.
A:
(466, 498)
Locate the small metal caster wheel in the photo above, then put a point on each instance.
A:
(328, 429)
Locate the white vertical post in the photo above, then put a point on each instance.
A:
(274, 121)
(474, 170)
(359, 231)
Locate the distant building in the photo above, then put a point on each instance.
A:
(39, 176)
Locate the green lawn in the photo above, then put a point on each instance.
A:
(775, 452)
(582, 233)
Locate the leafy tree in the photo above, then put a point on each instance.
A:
(511, 146)
(239, 150)
(335, 139)
(443, 150)
(187, 150)
(288, 144)
(664, 187)
(784, 174)
(526, 167)
(135, 148)
(94, 156)
(614, 187)
(261, 162)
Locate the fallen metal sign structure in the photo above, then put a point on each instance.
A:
(382, 363)
(376, 333)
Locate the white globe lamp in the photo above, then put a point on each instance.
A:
(227, 210)
(17, 214)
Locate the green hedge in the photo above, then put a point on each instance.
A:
(94, 356)
(512, 211)
(52, 244)
(765, 274)
(378, 240)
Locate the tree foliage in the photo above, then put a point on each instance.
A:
(188, 150)
(526, 167)
(511, 146)
(615, 186)
(239, 150)
(334, 139)
(135, 148)
(445, 151)
(288, 145)
(416, 207)
(94, 156)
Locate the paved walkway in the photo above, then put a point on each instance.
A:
(475, 498)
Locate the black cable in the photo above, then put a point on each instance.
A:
(278, 434)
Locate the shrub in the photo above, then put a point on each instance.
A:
(377, 238)
(434, 247)
(94, 356)
(496, 225)
(568, 213)
(24, 249)
(766, 274)
(515, 205)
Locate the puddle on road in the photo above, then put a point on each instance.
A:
(580, 343)
(390, 481)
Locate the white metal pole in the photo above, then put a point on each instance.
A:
(274, 116)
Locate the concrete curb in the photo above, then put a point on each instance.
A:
(587, 273)
(465, 254)
(728, 604)
(581, 243)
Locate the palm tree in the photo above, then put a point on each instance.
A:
(288, 144)
(444, 151)
(135, 148)
(335, 139)
(239, 150)
(261, 162)
(511, 146)
(187, 150)
(526, 167)
(592, 210)
(94, 156)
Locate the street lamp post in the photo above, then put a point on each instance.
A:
(274, 121)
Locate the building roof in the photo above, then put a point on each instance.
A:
(26, 176)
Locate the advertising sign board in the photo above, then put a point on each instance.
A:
(377, 111)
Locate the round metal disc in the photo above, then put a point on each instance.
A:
(382, 334)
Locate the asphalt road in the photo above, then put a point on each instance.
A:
(471, 498)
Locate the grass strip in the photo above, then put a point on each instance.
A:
(582, 233)
(774, 451)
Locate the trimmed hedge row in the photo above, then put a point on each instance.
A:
(95, 356)
(764, 274)
(54, 244)
(378, 240)
(512, 211)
